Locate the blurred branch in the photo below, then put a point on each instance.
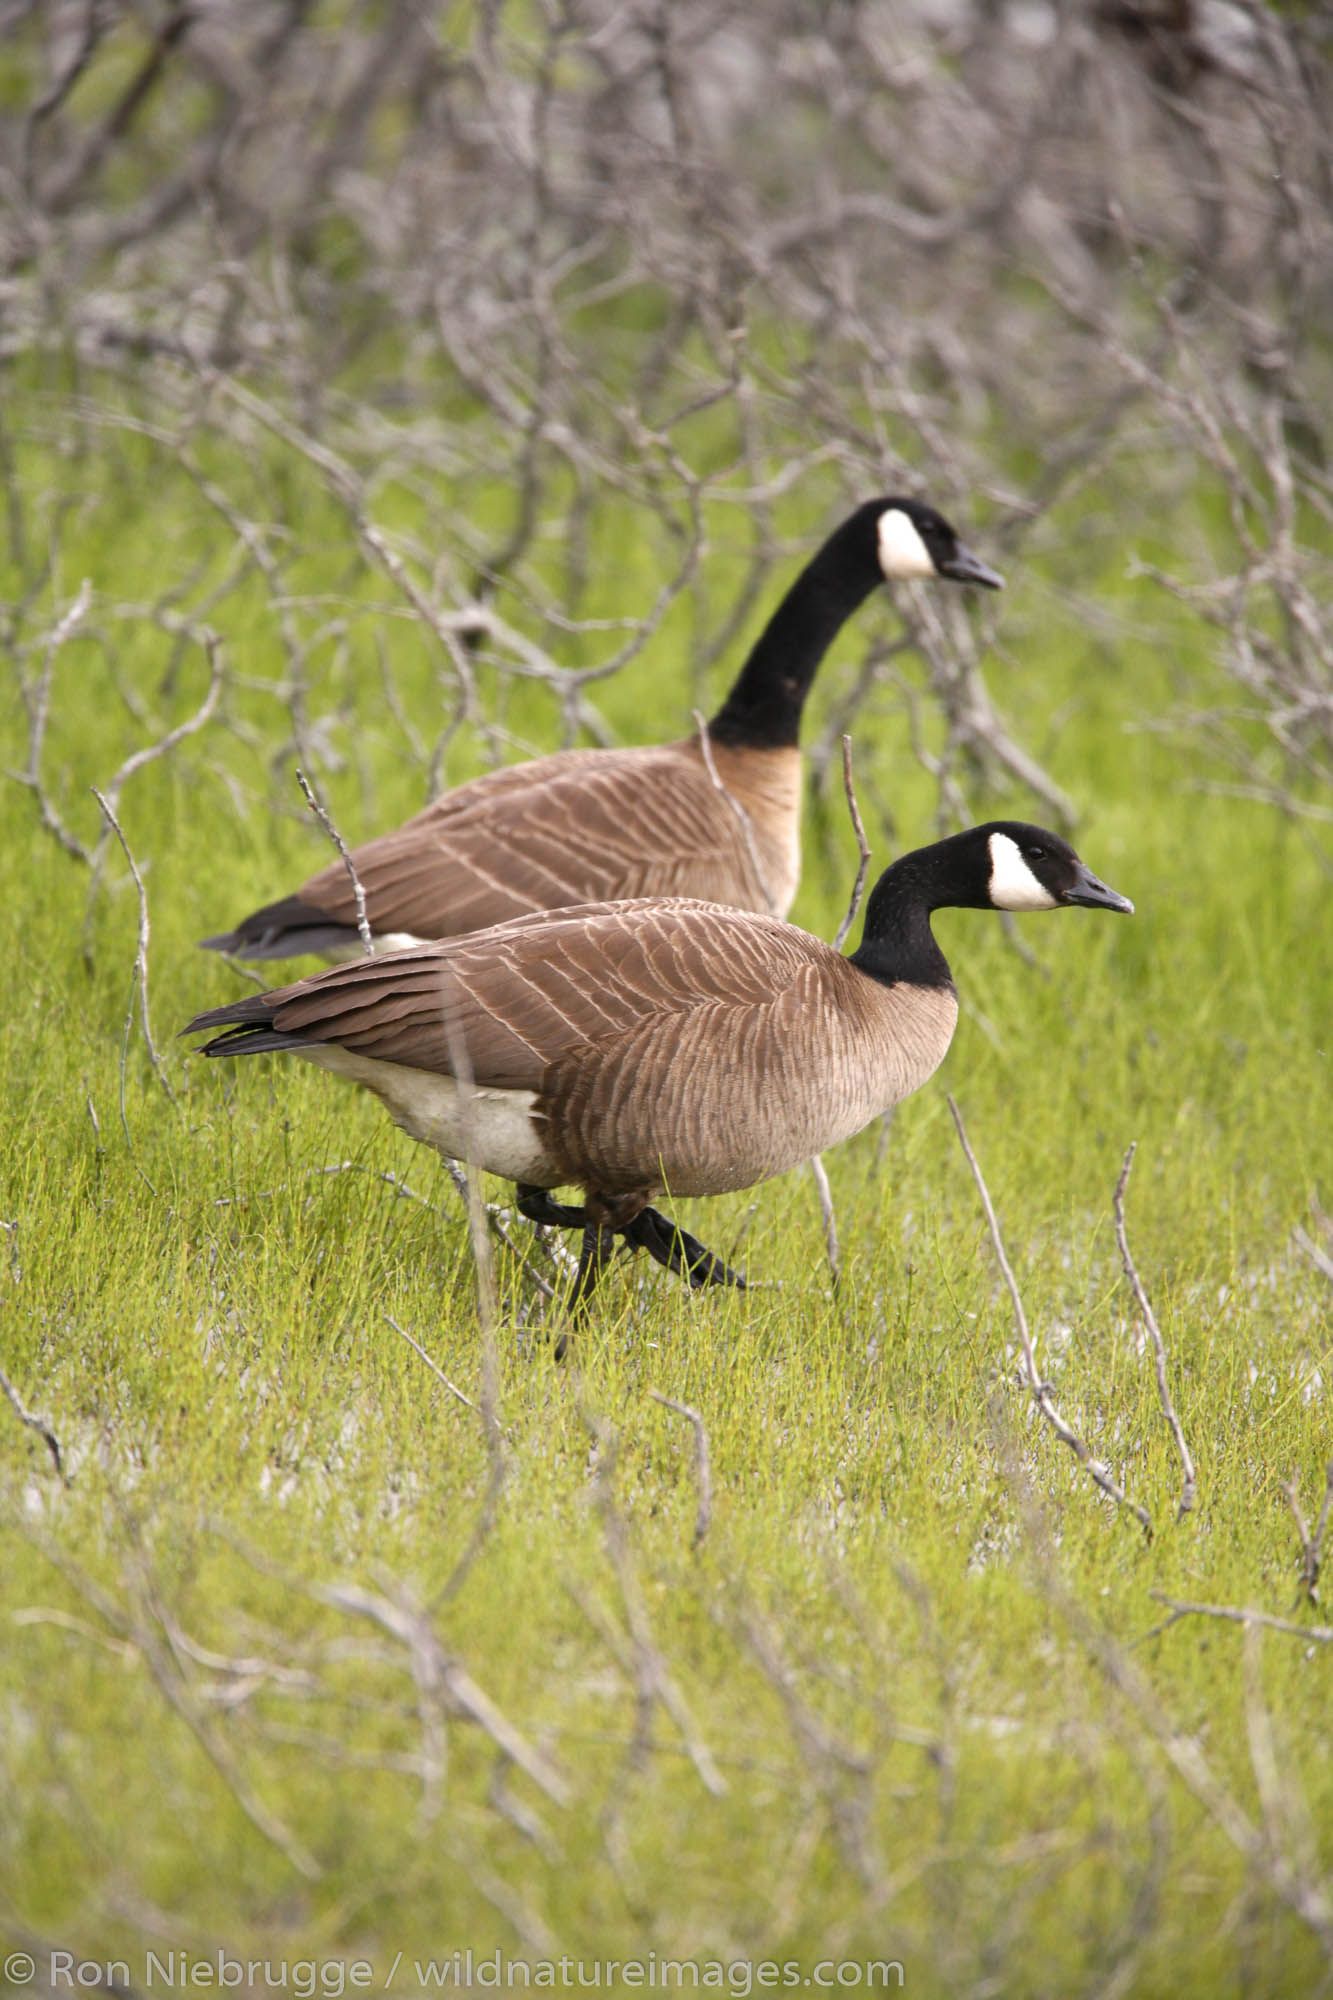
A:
(1155, 1336)
(37, 701)
(25, 1416)
(140, 986)
(702, 1463)
(1040, 1390)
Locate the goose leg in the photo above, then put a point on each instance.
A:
(679, 1251)
(536, 1204)
(598, 1244)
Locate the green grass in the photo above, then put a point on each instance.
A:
(908, 1700)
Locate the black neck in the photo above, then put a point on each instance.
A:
(897, 943)
(764, 707)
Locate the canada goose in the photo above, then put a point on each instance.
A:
(635, 1049)
(602, 825)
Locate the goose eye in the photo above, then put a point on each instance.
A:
(1035, 853)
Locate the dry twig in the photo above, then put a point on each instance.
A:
(34, 1423)
(639, 1656)
(1041, 1394)
(1312, 1545)
(1235, 1614)
(1318, 1256)
(37, 701)
(703, 1466)
(863, 847)
(432, 1364)
(139, 988)
(1154, 1334)
(358, 893)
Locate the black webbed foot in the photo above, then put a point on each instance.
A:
(649, 1230)
(536, 1204)
(679, 1251)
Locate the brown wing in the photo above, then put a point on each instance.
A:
(525, 997)
(582, 826)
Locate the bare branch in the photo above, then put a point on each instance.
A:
(439, 1671)
(359, 894)
(1041, 1394)
(432, 1364)
(1312, 1545)
(702, 1463)
(1318, 1256)
(150, 753)
(140, 985)
(826, 1210)
(37, 701)
(1234, 1614)
(863, 847)
(1154, 1334)
(34, 1423)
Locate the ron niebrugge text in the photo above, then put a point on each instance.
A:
(326, 1979)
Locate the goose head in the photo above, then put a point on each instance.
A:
(914, 541)
(1029, 868)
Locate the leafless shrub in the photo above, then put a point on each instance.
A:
(876, 246)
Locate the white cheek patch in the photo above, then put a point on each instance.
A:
(902, 553)
(1013, 886)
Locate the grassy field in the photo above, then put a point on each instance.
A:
(310, 1655)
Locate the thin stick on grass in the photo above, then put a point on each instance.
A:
(139, 987)
(863, 845)
(1149, 1318)
(703, 1465)
(433, 1365)
(34, 1423)
(358, 893)
(1235, 1614)
(825, 1192)
(1321, 1527)
(460, 1063)
(1041, 1394)
(638, 1652)
(1311, 1544)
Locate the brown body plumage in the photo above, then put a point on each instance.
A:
(662, 1046)
(631, 1038)
(589, 825)
(582, 826)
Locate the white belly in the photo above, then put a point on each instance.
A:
(493, 1129)
(344, 954)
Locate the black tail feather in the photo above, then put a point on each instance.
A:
(288, 929)
(253, 1042)
(250, 1029)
